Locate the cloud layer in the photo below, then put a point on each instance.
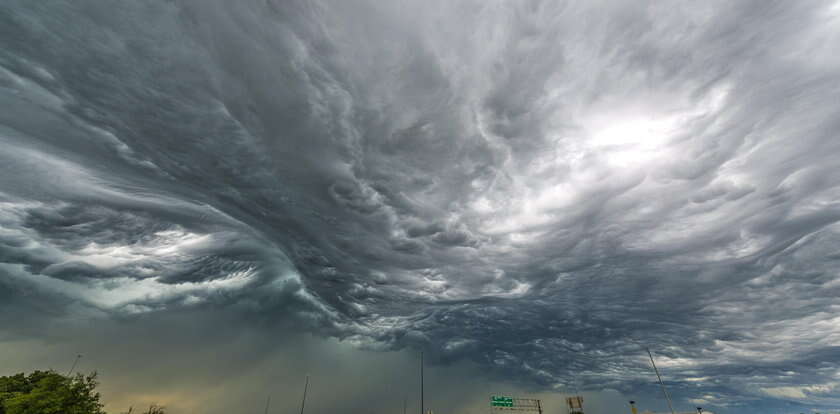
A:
(541, 188)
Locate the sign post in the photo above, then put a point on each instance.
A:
(501, 402)
(576, 405)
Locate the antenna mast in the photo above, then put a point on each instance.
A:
(305, 388)
(664, 391)
(78, 357)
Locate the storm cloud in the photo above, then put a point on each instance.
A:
(539, 189)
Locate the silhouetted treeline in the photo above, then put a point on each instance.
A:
(48, 392)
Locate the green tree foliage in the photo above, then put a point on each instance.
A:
(47, 392)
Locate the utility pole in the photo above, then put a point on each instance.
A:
(405, 404)
(422, 406)
(305, 388)
(78, 357)
(664, 391)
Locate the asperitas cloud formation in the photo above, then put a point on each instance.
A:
(540, 188)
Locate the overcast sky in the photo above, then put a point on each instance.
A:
(210, 199)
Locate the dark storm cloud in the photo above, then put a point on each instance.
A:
(542, 188)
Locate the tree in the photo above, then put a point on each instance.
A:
(153, 409)
(47, 392)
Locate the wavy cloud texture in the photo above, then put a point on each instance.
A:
(542, 188)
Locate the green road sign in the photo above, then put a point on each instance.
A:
(499, 401)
